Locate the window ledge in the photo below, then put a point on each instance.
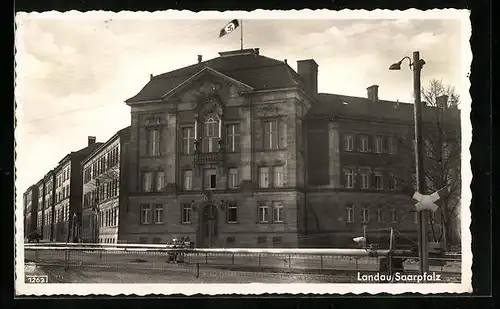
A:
(232, 222)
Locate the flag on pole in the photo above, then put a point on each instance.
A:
(230, 27)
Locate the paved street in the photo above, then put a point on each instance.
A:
(119, 266)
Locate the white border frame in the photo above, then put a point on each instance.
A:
(260, 288)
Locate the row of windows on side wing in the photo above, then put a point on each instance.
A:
(155, 181)
(154, 214)
(276, 240)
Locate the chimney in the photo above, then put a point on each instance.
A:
(372, 93)
(91, 140)
(200, 58)
(308, 71)
(150, 76)
(256, 51)
(442, 101)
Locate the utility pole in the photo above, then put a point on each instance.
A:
(419, 161)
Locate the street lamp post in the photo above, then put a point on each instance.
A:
(416, 66)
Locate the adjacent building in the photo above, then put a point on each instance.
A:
(68, 193)
(55, 201)
(105, 190)
(241, 150)
(30, 199)
(40, 189)
(48, 205)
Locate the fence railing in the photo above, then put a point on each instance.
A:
(205, 262)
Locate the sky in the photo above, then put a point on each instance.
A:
(74, 74)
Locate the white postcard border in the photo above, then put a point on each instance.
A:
(465, 286)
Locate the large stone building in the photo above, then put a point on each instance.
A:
(30, 199)
(241, 150)
(105, 190)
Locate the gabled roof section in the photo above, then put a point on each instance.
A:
(335, 105)
(202, 72)
(246, 67)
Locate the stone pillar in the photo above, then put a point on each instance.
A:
(246, 145)
(170, 147)
(133, 154)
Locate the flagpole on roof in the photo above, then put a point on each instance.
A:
(241, 34)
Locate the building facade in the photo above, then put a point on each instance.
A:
(62, 197)
(241, 150)
(105, 190)
(48, 205)
(56, 199)
(30, 198)
(217, 158)
(39, 187)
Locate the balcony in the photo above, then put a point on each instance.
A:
(208, 157)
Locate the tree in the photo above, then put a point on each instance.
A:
(442, 157)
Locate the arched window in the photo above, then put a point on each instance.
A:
(211, 134)
(210, 127)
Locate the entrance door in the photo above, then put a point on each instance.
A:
(209, 226)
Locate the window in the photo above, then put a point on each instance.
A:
(380, 217)
(391, 182)
(366, 214)
(264, 177)
(156, 240)
(233, 178)
(391, 145)
(160, 181)
(153, 142)
(145, 213)
(210, 178)
(263, 213)
(158, 215)
(349, 213)
(188, 180)
(230, 240)
(349, 178)
(187, 140)
(349, 143)
(364, 144)
(364, 180)
(277, 212)
(186, 213)
(394, 216)
(261, 240)
(233, 137)
(232, 213)
(147, 182)
(379, 181)
(278, 176)
(211, 135)
(379, 144)
(271, 134)
(277, 240)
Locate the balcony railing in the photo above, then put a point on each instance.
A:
(209, 157)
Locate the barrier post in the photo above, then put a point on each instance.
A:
(66, 260)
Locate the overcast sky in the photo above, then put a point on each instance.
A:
(74, 74)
